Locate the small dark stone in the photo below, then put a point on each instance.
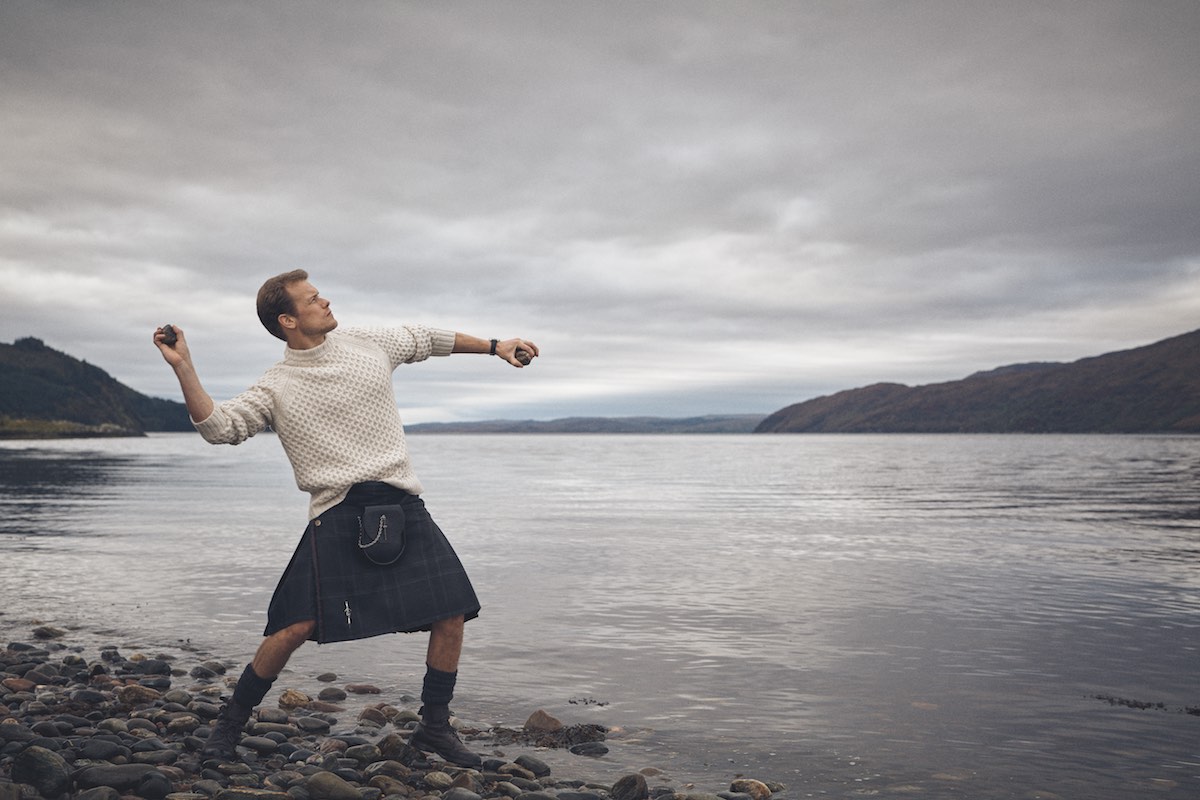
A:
(154, 666)
(630, 787)
(147, 745)
(99, 793)
(46, 728)
(42, 769)
(97, 749)
(74, 721)
(154, 786)
(364, 753)
(119, 776)
(259, 744)
(594, 749)
(88, 696)
(158, 758)
(14, 732)
(535, 765)
(156, 682)
(460, 793)
(48, 632)
(312, 725)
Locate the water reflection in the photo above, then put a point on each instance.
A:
(938, 612)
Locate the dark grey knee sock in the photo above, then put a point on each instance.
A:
(251, 689)
(438, 689)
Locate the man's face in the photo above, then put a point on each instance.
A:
(312, 314)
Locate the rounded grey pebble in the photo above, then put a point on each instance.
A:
(459, 793)
(259, 744)
(535, 765)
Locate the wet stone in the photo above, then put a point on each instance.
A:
(98, 793)
(327, 786)
(259, 744)
(630, 787)
(535, 765)
(43, 769)
(276, 716)
(119, 776)
(594, 749)
(313, 725)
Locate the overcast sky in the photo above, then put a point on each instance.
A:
(691, 207)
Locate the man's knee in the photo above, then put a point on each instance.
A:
(296, 634)
(451, 626)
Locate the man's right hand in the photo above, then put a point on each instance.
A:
(199, 403)
(175, 354)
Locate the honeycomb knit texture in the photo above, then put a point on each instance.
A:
(334, 410)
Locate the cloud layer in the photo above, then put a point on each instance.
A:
(691, 207)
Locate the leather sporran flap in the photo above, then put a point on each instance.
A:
(381, 533)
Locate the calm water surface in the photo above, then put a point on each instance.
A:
(908, 616)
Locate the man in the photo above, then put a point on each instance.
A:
(331, 403)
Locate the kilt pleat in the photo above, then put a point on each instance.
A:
(328, 579)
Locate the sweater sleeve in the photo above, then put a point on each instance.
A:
(408, 343)
(238, 418)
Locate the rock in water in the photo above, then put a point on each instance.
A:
(541, 722)
(756, 789)
(291, 698)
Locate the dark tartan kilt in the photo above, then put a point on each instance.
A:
(329, 580)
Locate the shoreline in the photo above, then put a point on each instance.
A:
(106, 721)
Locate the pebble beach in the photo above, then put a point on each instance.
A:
(102, 722)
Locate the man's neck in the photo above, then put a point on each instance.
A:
(298, 341)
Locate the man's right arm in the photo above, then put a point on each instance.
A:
(199, 404)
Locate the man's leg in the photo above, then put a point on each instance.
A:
(252, 686)
(434, 733)
(445, 644)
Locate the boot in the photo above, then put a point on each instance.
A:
(223, 741)
(435, 735)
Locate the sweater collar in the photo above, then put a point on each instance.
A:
(311, 355)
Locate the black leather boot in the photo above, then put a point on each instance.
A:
(223, 741)
(435, 735)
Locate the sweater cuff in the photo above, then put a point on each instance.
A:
(443, 342)
(208, 427)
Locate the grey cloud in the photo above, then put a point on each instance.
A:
(762, 175)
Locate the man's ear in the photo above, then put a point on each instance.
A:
(287, 321)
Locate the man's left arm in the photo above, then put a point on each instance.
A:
(506, 349)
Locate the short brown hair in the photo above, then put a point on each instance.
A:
(273, 300)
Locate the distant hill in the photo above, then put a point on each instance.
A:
(734, 423)
(1150, 389)
(45, 393)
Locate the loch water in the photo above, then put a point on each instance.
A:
(976, 616)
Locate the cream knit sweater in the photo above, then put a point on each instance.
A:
(334, 410)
